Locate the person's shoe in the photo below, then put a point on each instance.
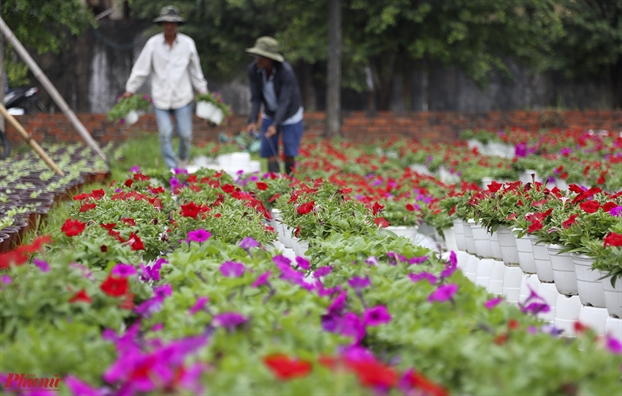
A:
(182, 164)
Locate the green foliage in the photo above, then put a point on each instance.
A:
(45, 25)
(135, 102)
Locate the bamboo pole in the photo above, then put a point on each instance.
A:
(30, 140)
(49, 87)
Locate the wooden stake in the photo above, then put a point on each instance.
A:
(30, 140)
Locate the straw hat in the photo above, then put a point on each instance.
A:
(266, 47)
(169, 14)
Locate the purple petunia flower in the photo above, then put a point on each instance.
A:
(78, 387)
(552, 330)
(229, 320)
(198, 305)
(248, 243)
(281, 260)
(262, 279)
(371, 260)
(157, 327)
(123, 270)
(536, 308)
(6, 279)
(359, 283)
(232, 270)
(42, 265)
(200, 235)
(135, 169)
(152, 272)
(174, 183)
(613, 345)
(302, 263)
(352, 326)
(339, 303)
(376, 316)
(322, 271)
(164, 290)
(490, 304)
(616, 212)
(423, 275)
(520, 150)
(150, 306)
(443, 293)
(417, 260)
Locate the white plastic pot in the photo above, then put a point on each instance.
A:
(589, 285)
(459, 234)
(468, 235)
(495, 286)
(549, 293)
(594, 317)
(567, 311)
(471, 268)
(525, 255)
(543, 260)
(496, 248)
(484, 269)
(613, 297)
(507, 243)
(217, 116)
(512, 281)
(408, 232)
(205, 110)
(132, 117)
(241, 161)
(564, 272)
(613, 327)
(450, 239)
(481, 238)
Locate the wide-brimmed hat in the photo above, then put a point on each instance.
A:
(266, 47)
(169, 14)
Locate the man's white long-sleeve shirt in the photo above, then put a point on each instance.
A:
(174, 71)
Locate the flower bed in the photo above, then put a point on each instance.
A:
(203, 302)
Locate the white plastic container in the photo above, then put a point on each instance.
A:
(132, 117)
(613, 297)
(564, 273)
(588, 282)
(205, 110)
(507, 243)
(459, 234)
(495, 286)
(567, 311)
(543, 260)
(512, 281)
(481, 238)
(525, 255)
(468, 235)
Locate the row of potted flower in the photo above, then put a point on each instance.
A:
(174, 268)
(28, 187)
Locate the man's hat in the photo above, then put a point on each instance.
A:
(266, 47)
(169, 14)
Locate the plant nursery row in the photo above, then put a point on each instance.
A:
(209, 283)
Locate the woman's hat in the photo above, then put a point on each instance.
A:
(266, 47)
(169, 14)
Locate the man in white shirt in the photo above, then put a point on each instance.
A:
(172, 61)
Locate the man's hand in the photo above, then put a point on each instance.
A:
(271, 131)
(250, 128)
(126, 95)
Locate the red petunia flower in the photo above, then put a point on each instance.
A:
(373, 374)
(589, 206)
(571, 220)
(608, 206)
(80, 296)
(535, 226)
(274, 197)
(305, 208)
(103, 248)
(377, 208)
(135, 242)
(128, 182)
(420, 382)
(228, 188)
(285, 368)
(115, 287)
(381, 222)
(613, 239)
(494, 186)
(262, 186)
(190, 210)
(410, 208)
(129, 221)
(72, 228)
(87, 207)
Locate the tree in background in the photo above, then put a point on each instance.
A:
(42, 25)
(592, 43)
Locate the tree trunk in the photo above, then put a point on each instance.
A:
(616, 85)
(383, 73)
(333, 83)
(308, 89)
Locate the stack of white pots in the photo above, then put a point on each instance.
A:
(287, 242)
(512, 267)
(235, 162)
